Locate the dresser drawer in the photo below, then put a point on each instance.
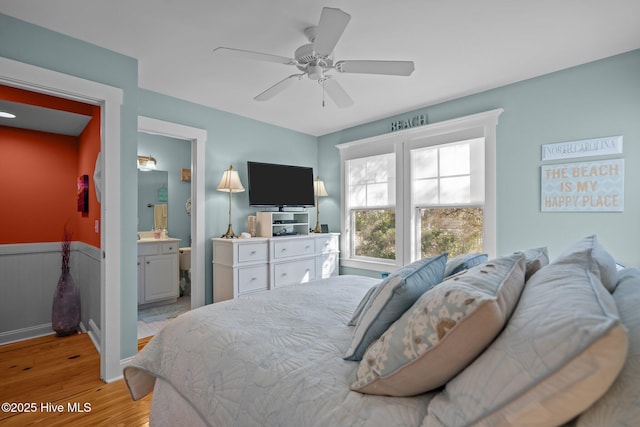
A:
(291, 248)
(327, 265)
(253, 252)
(326, 244)
(252, 279)
(287, 273)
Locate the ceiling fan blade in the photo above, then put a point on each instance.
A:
(392, 68)
(329, 30)
(337, 93)
(277, 88)
(247, 54)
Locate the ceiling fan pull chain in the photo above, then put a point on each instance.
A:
(323, 93)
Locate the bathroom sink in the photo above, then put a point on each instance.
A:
(151, 239)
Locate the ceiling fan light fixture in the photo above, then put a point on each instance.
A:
(315, 72)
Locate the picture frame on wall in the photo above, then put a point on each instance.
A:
(83, 194)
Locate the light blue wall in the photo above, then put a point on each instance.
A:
(43, 48)
(232, 140)
(598, 99)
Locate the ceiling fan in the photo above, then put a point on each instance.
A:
(315, 60)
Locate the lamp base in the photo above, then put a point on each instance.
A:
(318, 229)
(229, 234)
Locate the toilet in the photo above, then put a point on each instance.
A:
(185, 270)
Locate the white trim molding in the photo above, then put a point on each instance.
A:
(198, 138)
(458, 129)
(42, 80)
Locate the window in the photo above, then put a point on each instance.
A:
(419, 192)
(447, 193)
(371, 189)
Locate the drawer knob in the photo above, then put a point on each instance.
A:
(253, 279)
(253, 252)
(284, 274)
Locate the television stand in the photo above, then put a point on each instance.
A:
(288, 223)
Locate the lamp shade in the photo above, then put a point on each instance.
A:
(318, 188)
(230, 182)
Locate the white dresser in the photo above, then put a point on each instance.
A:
(158, 275)
(245, 266)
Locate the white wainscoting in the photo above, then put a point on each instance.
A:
(29, 274)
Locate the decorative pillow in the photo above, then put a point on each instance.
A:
(620, 406)
(392, 298)
(536, 259)
(463, 262)
(603, 265)
(358, 311)
(443, 331)
(562, 348)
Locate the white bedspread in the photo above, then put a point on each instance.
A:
(274, 359)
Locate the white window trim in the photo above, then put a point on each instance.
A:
(473, 126)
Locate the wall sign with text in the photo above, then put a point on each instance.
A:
(583, 187)
(410, 122)
(582, 148)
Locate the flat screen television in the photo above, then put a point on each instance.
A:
(273, 185)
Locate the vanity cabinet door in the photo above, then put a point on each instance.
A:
(160, 277)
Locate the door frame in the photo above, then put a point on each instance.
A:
(198, 138)
(109, 98)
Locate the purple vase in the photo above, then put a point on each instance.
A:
(65, 312)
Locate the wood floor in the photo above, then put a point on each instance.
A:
(59, 380)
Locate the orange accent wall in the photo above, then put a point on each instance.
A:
(39, 172)
(88, 152)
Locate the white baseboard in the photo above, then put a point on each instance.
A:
(26, 333)
(94, 334)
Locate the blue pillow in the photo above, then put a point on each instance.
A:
(463, 262)
(392, 298)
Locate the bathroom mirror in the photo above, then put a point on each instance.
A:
(153, 199)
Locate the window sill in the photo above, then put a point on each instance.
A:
(369, 265)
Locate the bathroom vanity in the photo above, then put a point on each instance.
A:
(158, 275)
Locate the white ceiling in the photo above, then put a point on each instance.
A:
(43, 119)
(459, 47)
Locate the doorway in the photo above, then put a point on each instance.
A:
(197, 137)
(110, 99)
(42, 80)
(164, 203)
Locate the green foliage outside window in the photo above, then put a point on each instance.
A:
(375, 233)
(453, 230)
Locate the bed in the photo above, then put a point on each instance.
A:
(272, 359)
(277, 358)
